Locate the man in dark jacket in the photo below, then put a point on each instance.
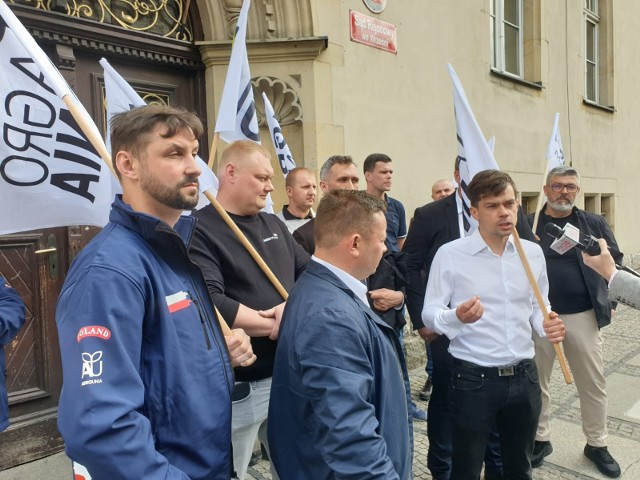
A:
(580, 297)
(12, 317)
(339, 405)
(147, 371)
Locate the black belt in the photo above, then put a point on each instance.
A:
(492, 372)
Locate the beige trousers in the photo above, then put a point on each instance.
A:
(583, 351)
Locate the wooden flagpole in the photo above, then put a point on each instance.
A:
(536, 215)
(226, 330)
(185, 13)
(245, 242)
(99, 145)
(212, 150)
(92, 135)
(543, 308)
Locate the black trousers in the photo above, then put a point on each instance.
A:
(481, 398)
(439, 426)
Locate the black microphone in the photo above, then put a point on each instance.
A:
(587, 243)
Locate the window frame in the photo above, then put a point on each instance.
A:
(498, 39)
(592, 18)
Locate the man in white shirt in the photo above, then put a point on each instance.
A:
(478, 296)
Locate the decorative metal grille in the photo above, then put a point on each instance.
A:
(160, 17)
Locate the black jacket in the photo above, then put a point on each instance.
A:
(596, 225)
(391, 274)
(304, 235)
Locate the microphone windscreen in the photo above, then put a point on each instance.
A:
(554, 230)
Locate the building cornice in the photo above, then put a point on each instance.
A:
(273, 50)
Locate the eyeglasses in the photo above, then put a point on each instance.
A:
(558, 187)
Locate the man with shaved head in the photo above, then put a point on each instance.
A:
(238, 287)
(301, 190)
(442, 188)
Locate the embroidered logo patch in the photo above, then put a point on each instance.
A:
(93, 331)
(91, 368)
(178, 301)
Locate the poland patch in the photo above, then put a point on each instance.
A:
(178, 301)
(93, 331)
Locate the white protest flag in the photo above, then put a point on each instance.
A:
(492, 144)
(50, 175)
(474, 153)
(120, 96)
(237, 118)
(555, 158)
(285, 159)
(555, 153)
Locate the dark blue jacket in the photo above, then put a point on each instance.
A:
(147, 377)
(12, 313)
(338, 405)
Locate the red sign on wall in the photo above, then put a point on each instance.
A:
(373, 32)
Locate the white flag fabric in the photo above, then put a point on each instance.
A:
(555, 153)
(285, 159)
(492, 144)
(50, 175)
(121, 96)
(474, 153)
(237, 118)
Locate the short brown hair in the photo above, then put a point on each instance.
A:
(291, 176)
(237, 151)
(488, 183)
(343, 212)
(372, 159)
(130, 129)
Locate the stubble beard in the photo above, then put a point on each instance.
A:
(173, 197)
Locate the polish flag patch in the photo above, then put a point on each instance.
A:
(178, 301)
(80, 472)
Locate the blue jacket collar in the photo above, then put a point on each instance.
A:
(314, 268)
(148, 226)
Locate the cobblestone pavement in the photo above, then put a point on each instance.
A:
(622, 359)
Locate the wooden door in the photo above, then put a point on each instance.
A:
(172, 75)
(33, 263)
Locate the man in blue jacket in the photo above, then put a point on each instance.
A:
(339, 405)
(12, 312)
(147, 371)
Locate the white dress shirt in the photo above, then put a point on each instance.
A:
(355, 285)
(467, 267)
(460, 214)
